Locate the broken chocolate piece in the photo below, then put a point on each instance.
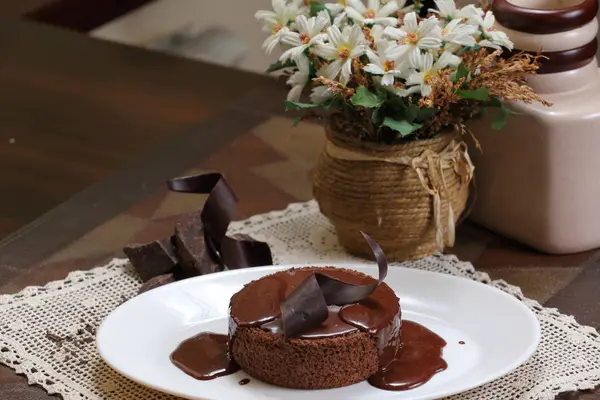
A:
(157, 281)
(195, 258)
(306, 307)
(242, 251)
(152, 259)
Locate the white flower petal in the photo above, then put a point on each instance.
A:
(388, 9)
(325, 50)
(374, 69)
(415, 78)
(387, 21)
(346, 72)
(321, 94)
(357, 5)
(394, 33)
(430, 43)
(335, 36)
(354, 14)
(387, 80)
(295, 92)
(410, 22)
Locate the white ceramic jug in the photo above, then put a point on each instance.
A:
(538, 179)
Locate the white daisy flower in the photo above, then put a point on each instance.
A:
(459, 33)
(310, 32)
(491, 37)
(420, 81)
(276, 22)
(414, 36)
(382, 65)
(341, 49)
(299, 79)
(374, 12)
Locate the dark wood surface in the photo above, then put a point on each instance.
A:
(82, 15)
(98, 127)
(74, 109)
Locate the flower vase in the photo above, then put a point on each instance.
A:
(408, 197)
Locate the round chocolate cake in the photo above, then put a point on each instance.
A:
(348, 347)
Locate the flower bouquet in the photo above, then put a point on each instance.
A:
(394, 91)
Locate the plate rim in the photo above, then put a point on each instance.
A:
(530, 351)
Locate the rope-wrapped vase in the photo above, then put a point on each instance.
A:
(408, 197)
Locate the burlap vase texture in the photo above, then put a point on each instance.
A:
(408, 196)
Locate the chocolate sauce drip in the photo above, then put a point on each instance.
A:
(416, 363)
(204, 356)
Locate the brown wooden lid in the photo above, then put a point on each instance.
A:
(542, 21)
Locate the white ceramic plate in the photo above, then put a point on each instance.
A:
(500, 333)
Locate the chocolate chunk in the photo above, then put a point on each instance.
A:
(190, 246)
(242, 251)
(152, 259)
(157, 281)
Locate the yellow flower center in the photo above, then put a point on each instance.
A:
(445, 31)
(411, 38)
(343, 51)
(429, 75)
(389, 65)
(369, 14)
(343, 2)
(304, 38)
(277, 28)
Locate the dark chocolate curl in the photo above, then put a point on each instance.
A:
(219, 209)
(306, 307)
(157, 281)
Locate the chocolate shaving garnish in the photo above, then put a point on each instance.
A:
(151, 259)
(306, 307)
(157, 281)
(200, 245)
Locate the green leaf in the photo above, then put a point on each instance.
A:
(404, 127)
(461, 72)
(276, 66)
(500, 119)
(316, 7)
(298, 119)
(481, 93)
(412, 112)
(377, 116)
(295, 105)
(364, 98)
(494, 102)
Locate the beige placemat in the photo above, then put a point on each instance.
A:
(47, 333)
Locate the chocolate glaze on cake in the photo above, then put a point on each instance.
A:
(348, 347)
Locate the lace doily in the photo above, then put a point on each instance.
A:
(47, 333)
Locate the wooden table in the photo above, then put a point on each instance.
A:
(98, 127)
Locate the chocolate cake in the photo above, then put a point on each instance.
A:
(318, 328)
(348, 347)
